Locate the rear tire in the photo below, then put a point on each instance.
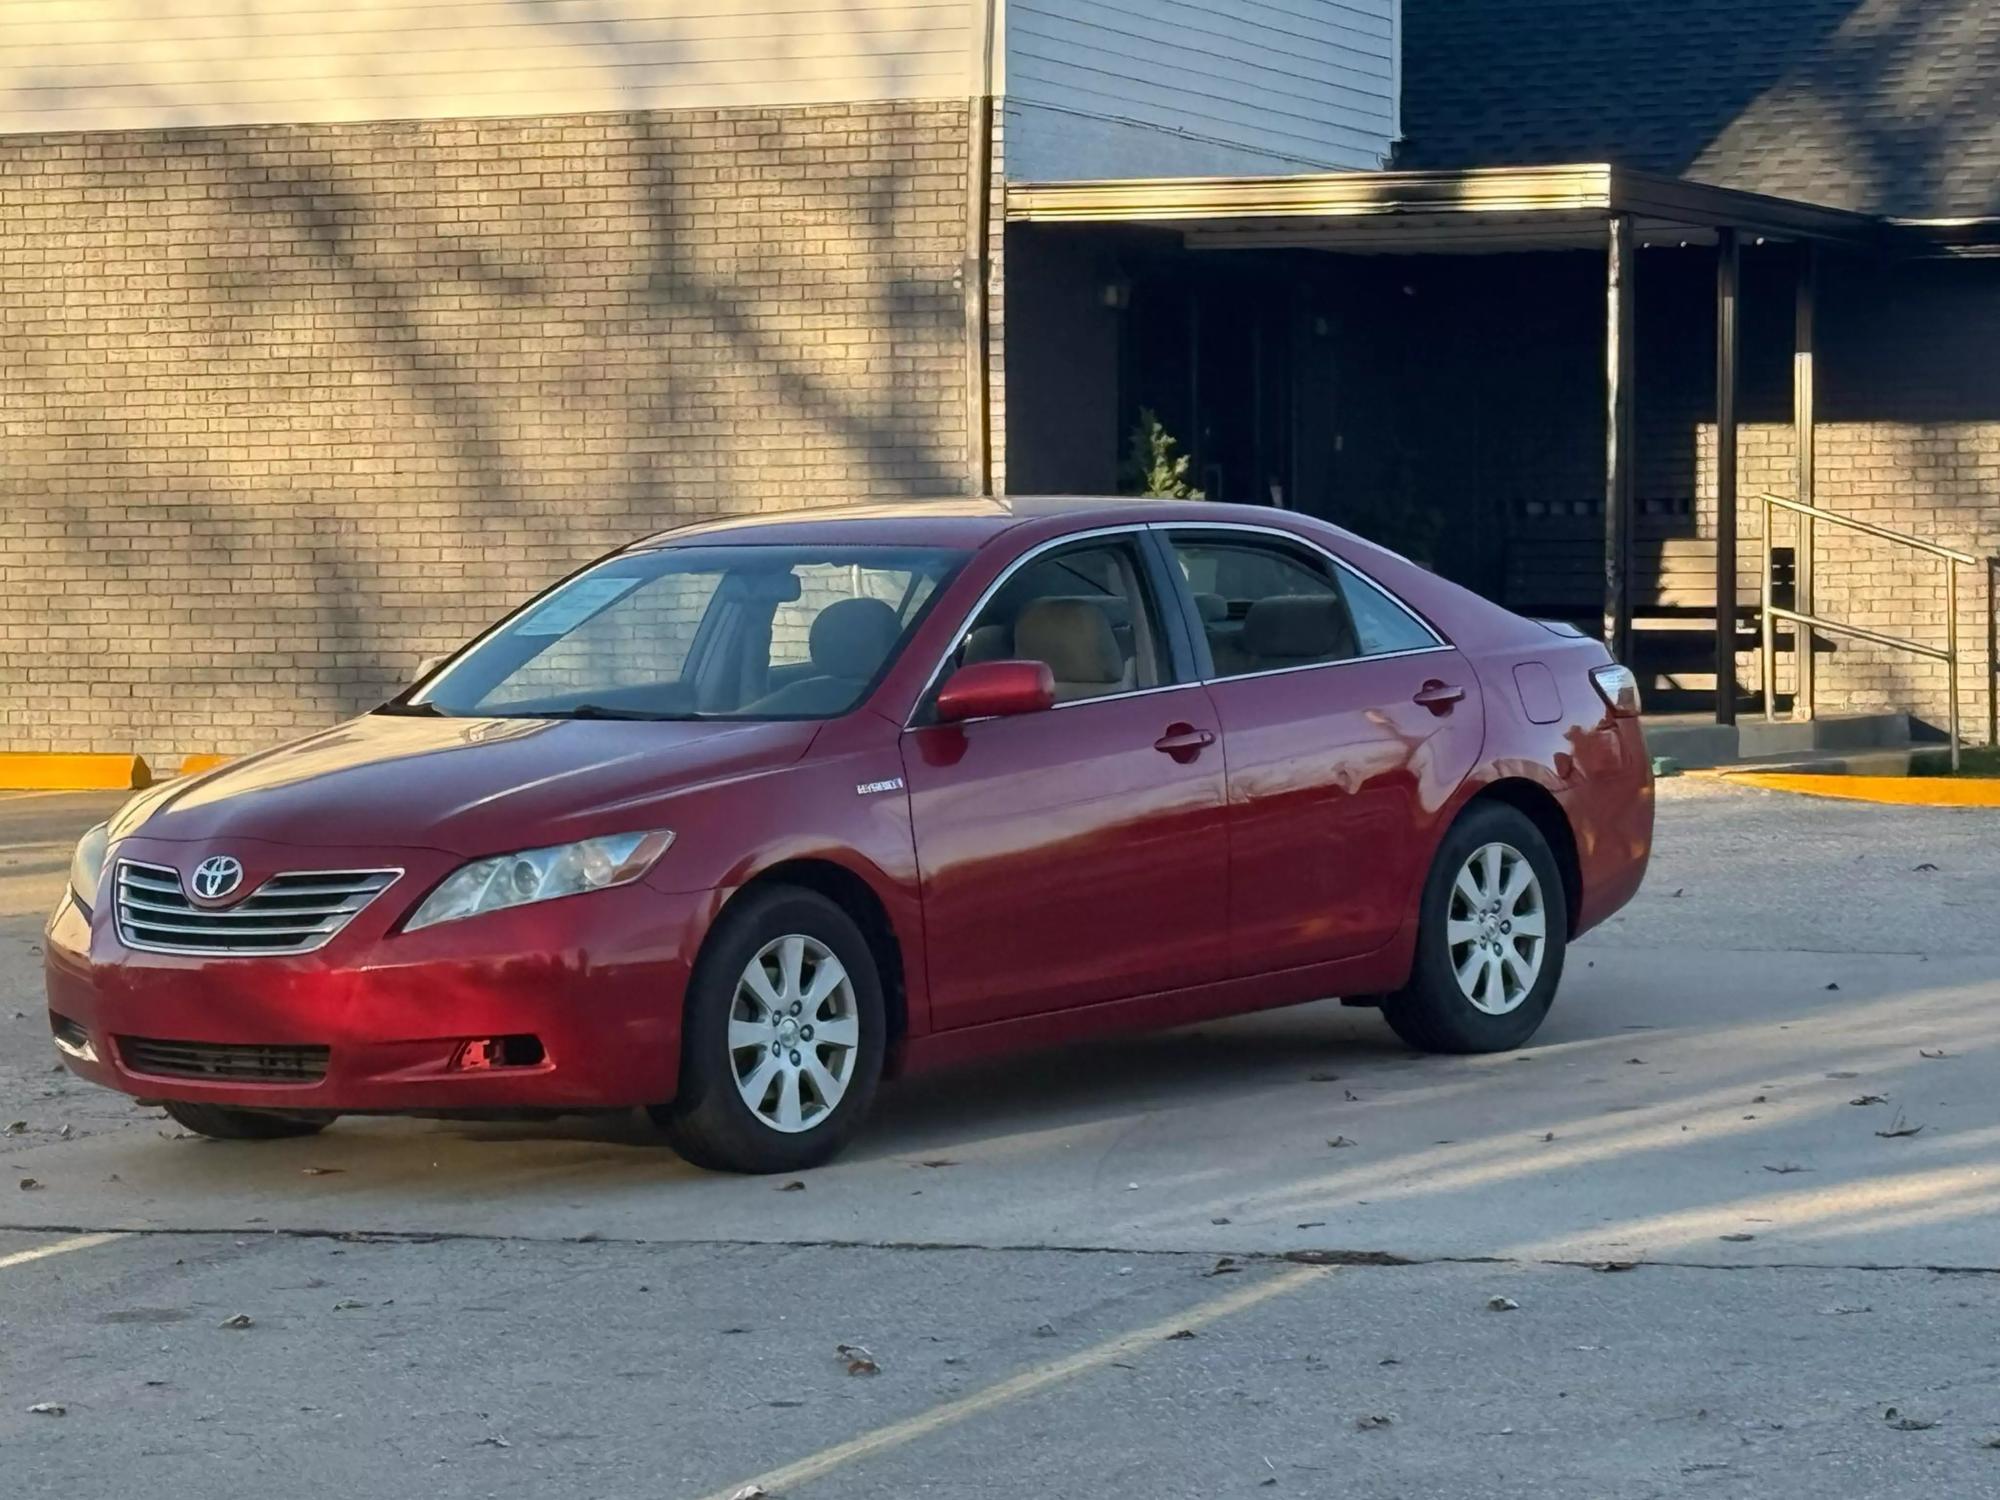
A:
(1491, 936)
(782, 1037)
(219, 1122)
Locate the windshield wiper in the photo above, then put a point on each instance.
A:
(600, 711)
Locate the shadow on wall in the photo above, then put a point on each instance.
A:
(335, 396)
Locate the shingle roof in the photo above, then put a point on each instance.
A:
(1883, 106)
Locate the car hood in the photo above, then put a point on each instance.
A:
(464, 785)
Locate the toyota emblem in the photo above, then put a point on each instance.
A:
(217, 876)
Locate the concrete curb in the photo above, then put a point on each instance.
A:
(1898, 791)
(36, 771)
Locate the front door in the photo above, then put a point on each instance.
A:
(1348, 722)
(1076, 855)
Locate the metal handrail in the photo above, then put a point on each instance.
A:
(1784, 502)
(1950, 557)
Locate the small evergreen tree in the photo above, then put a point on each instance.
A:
(1152, 467)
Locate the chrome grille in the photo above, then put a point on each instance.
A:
(246, 1062)
(291, 913)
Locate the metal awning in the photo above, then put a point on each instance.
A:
(1482, 211)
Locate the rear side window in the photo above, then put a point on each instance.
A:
(1268, 605)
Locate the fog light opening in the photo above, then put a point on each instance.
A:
(484, 1054)
(71, 1039)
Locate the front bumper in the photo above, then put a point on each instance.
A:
(597, 980)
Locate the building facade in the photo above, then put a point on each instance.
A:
(333, 331)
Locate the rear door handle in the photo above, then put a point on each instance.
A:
(1439, 697)
(1183, 741)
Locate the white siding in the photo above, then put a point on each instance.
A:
(135, 64)
(1097, 87)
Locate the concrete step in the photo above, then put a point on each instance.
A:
(1696, 742)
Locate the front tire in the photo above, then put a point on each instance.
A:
(1491, 938)
(220, 1123)
(782, 1037)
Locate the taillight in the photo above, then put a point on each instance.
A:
(1619, 688)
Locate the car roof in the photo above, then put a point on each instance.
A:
(945, 522)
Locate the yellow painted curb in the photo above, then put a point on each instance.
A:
(194, 765)
(1902, 791)
(34, 771)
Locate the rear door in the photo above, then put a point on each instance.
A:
(1348, 722)
(1076, 855)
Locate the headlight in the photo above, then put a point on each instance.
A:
(540, 875)
(86, 866)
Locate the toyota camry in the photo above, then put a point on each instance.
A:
(737, 821)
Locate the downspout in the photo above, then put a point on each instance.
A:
(976, 270)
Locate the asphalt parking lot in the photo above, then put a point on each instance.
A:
(1741, 1193)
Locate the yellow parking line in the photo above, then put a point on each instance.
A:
(782, 1481)
(60, 1247)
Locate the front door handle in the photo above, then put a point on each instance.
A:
(1439, 697)
(1183, 741)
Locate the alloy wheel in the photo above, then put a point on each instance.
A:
(1497, 928)
(794, 1033)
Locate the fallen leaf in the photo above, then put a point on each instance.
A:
(1739, 1239)
(1502, 1304)
(321, 1171)
(18, 1127)
(937, 1162)
(1313, 1224)
(28, 1184)
(1616, 1265)
(1910, 1424)
(1218, 1221)
(65, 1133)
(1045, 1330)
(1870, 1099)
(1933, 1055)
(492, 1442)
(1839, 1311)
(1925, 868)
(1180, 1333)
(1992, 1442)
(1898, 1130)
(347, 1305)
(1675, 896)
(793, 1187)
(1227, 1266)
(48, 1409)
(1833, 986)
(1786, 1168)
(1636, 1062)
(1761, 1099)
(1352, 1097)
(859, 1360)
(238, 1320)
(1549, 1137)
(750, 1492)
(1339, 1141)
(1375, 1422)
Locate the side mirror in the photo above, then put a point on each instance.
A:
(996, 690)
(425, 667)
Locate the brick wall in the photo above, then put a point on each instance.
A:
(286, 408)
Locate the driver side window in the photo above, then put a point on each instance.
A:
(1085, 612)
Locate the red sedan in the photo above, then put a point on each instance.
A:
(739, 819)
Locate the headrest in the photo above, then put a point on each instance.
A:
(1301, 627)
(1212, 608)
(851, 638)
(1073, 636)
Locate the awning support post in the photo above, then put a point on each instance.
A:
(1618, 438)
(1728, 348)
(1804, 389)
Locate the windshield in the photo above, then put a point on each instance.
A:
(742, 632)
